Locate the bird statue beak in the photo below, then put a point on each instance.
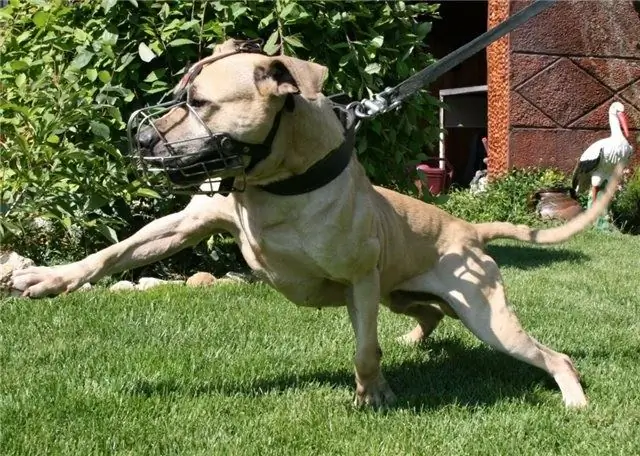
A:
(624, 123)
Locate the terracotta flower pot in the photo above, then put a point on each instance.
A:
(558, 203)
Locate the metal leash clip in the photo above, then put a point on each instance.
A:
(380, 103)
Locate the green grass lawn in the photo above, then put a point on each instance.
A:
(238, 370)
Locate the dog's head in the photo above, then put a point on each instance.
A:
(231, 108)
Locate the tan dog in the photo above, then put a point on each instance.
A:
(347, 242)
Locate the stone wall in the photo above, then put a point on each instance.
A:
(556, 76)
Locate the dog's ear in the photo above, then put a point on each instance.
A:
(285, 75)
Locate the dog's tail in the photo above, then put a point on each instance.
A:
(496, 230)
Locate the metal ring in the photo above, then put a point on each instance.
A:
(356, 107)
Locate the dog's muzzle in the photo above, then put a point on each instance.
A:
(212, 158)
(215, 159)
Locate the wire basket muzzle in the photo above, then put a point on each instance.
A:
(211, 157)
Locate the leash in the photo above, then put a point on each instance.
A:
(391, 97)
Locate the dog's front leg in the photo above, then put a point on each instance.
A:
(363, 305)
(159, 239)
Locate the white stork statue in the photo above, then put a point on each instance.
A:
(597, 162)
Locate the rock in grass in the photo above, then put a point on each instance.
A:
(122, 285)
(241, 277)
(85, 287)
(151, 282)
(201, 279)
(11, 261)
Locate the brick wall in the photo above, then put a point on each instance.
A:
(556, 76)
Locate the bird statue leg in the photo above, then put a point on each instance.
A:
(602, 224)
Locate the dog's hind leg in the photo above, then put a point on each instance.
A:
(363, 304)
(423, 307)
(471, 283)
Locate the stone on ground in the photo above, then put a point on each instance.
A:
(201, 279)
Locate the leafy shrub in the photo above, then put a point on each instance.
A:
(59, 110)
(625, 208)
(73, 70)
(506, 198)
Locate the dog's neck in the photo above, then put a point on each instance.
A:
(306, 135)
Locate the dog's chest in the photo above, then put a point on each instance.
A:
(303, 246)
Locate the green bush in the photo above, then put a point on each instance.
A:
(625, 208)
(73, 70)
(61, 124)
(507, 198)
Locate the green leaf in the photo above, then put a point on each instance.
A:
(23, 36)
(293, 41)
(424, 29)
(108, 4)
(125, 61)
(41, 18)
(80, 35)
(287, 10)
(108, 232)
(377, 41)
(155, 47)
(271, 46)
(20, 80)
(146, 54)
(53, 139)
(237, 10)
(99, 129)
(180, 42)
(372, 68)
(119, 90)
(96, 202)
(302, 14)
(134, 3)
(155, 75)
(108, 38)
(219, 6)
(92, 74)
(18, 65)
(192, 24)
(268, 19)
(345, 59)
(115, 113)
(104, 76)
(164, 11)
(147, 192)
(81, 59)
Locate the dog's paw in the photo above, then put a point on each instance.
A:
(375, 394)
(413, 337)
(578, 402)
(41, 281)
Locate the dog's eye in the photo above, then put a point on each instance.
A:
(197, 102)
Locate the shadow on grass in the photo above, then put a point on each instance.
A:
(453, 374)
(531, 257)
